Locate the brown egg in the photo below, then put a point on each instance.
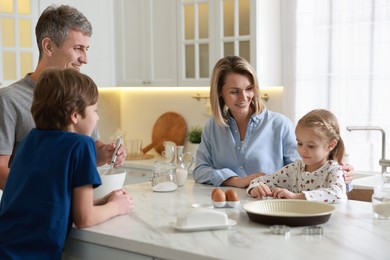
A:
(231, 195)
(218, 195)
(214, 190)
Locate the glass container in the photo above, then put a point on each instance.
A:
(164, 177)
(381, 198)
(183, 162)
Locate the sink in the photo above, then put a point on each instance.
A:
(367, 180)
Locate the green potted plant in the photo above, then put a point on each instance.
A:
(194, 138)
(195, 134)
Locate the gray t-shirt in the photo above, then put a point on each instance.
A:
(16, 120)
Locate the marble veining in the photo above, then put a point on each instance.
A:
(351, 232)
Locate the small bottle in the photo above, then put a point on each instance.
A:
(381, 198)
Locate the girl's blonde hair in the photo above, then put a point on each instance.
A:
(324, 123)
(231, 64)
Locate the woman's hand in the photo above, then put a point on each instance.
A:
(241, 182)
(348, 173)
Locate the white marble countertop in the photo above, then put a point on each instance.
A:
(350, 233)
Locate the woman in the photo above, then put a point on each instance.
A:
(243, 140)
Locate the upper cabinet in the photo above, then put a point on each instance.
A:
(154, 42)
(210, 30)
(177, 42)
(146, 43)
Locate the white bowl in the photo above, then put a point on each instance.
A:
(113, 180)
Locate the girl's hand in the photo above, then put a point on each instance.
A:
(260, 191)
(280, 193)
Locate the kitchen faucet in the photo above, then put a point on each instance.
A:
(382, 162)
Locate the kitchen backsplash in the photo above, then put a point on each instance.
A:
(132, 111)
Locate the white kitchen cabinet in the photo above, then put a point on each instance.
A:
(146, 41)
(178, 42)
(210, 30)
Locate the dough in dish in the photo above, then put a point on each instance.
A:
(201, 217)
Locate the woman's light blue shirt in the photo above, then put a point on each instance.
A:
(269, 145)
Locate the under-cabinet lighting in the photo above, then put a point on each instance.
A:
(265, 90)
(154, 89)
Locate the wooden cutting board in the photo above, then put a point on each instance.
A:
(169, 126)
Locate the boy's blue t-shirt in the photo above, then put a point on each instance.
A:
(35, 211)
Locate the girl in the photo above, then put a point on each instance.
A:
(317, 176)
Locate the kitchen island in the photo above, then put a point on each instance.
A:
(145, 233)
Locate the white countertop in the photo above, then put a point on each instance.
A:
(350, 233)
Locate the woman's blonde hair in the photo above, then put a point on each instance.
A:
(324, 124)
(231, 64)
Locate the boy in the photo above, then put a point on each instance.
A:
(51, 180)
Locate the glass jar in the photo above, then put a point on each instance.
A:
(381, 198)
(164, 177)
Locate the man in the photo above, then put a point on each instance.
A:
(63, 40)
